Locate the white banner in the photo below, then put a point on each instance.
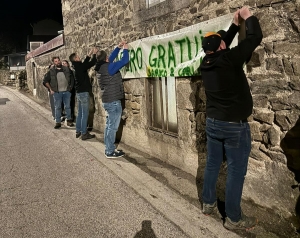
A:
(174, 54)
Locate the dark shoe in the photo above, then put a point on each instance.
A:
(70, 123)
(245, 223)
(209, 209)
(87, 136)
(114, 154)
(78, 134)
(57, 125)
(120, 152)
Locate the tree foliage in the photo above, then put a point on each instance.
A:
(7, 43)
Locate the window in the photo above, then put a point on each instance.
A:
(163, 106)
(150, 3)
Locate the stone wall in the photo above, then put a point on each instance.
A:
(19, 81)
(36, 69)
(273, 75)
(5, 77)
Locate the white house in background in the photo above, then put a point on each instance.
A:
(16, 61)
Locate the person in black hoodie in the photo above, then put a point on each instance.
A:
(229, 104)
(83, 88)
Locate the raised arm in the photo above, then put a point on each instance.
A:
(243, 51)
(88, 62)
(233, 29)
(113, 67)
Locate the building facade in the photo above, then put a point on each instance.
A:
(165, 116)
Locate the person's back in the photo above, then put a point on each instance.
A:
(226, 85)
(229, 103)
(82, 79)
(113, 84)
(83, 88)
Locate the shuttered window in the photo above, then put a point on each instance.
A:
(163, 104)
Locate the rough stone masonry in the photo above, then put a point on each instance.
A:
(273, 74)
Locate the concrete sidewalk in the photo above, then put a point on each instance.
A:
(175, 195)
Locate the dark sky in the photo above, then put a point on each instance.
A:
(16, 16)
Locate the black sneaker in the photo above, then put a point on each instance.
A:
(120, 152)
(115, 154)
(87, 136)
(78, 134)
(245, 223)
(70, 123)
(57, 125)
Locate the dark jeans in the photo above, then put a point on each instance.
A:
(72, 102)
(233, 140)
(83, 112)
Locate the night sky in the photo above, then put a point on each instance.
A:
(17, 15)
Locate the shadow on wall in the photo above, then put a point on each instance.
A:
(121, 125)
(92, 110)
(291, 147)
(146, 232)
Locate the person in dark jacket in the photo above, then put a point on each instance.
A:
(73, 92)
(83, 88)
(59, 80)
(111, 85)
(51, 99)
(229, 104)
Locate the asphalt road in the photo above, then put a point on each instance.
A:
(54, 185)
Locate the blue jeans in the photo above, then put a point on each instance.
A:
(83, 112)
(60, 97)
(233, 140)
(114, 112)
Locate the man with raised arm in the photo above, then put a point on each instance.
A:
(229, 104)
(83, 88)
(111, 84)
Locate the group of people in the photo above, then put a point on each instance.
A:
(61, 80)
(229, 104)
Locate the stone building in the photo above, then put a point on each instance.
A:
(176, 135)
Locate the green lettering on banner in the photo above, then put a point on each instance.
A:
(189, 48)
(132, 58)
(136, 60)
(172, 72)
(174, 54)
(197, 45)
(200, 32)
(139, 57)
(161, 56)
(157, 72)
(171, 56)
(180, 42)
(152, 62)
(188, 71)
